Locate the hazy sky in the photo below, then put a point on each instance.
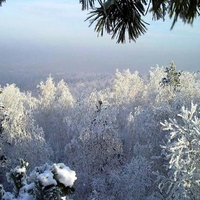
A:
(52, 35)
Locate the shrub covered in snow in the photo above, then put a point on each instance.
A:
(47, 182)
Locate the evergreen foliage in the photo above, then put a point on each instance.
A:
(17, 177)
(172, 78)
(44, 183)
(125, 18)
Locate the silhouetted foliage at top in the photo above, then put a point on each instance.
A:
(123, 18)
(1, 1)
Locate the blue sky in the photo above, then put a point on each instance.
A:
(52, 35)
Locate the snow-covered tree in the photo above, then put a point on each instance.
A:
(172, 78)
(108, 133)
(132, 181)
(126, 86)
(189, 89)
(21, 136)
(52, 109)
(182, 149)
(96, 151)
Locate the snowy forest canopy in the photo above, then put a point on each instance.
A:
(127, 137)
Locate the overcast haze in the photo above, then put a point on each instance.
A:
(47, 35)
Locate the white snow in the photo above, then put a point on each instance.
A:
(64, 174)
(28, 187)
(20, 170)
(46, 178)
(25, 196)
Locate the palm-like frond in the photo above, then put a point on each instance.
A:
(86, 4)
(186, 10)
(159, 9)
(118, 18)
